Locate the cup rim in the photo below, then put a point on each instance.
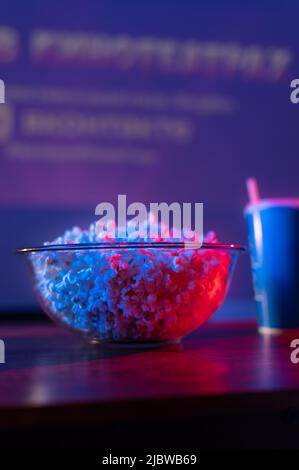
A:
(272, 202)
(131, 245)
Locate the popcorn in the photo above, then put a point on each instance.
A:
(131, 294)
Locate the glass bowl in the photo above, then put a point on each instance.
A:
(131, 292)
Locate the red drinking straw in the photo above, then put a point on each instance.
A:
(253, 190)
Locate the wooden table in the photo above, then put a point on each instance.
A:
(223, 386)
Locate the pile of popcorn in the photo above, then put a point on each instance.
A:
(131, 294)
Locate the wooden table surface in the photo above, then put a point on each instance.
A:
(51, 379)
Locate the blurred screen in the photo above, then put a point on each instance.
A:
(161, 101)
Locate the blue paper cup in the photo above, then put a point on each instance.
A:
(273, 231)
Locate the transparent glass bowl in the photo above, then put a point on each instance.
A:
(131, 292)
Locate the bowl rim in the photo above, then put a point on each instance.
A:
(116, 245)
